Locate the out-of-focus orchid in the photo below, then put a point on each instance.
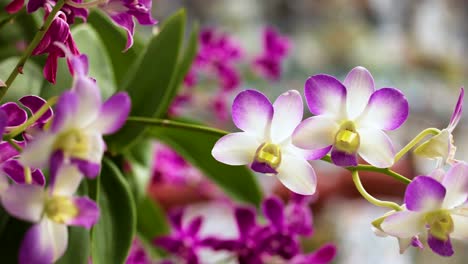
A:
(184, 240)
(434, 211)
(275, 49)
(138, 254)
(122, 12)
(441, 146)
(351, 118)
(80, 121)
(265, 143)
(51, 210)
(71, 12)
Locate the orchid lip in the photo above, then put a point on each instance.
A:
(347, 138)
(60, 209)
(267, 158)
(73, 142)
(440, 223)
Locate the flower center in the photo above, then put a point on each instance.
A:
(60, 209)
(347, 139)
(440, 223)
(267, 158)
(74, 142)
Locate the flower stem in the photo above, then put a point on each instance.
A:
(14, 145)
(371, 199)
(415, 141)
(34, 118)
(37, 38)
(385, 171)
(176, 124)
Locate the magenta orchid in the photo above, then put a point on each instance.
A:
(436, 211)
(51, 210)
(80, 121)
(351, 118)
(265, 143)
(442, 146)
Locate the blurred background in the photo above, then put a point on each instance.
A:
(419, 47)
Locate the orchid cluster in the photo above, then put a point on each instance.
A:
(274, 241)
(219, 59)
(121, 12)
(68, 143)
(350, 119)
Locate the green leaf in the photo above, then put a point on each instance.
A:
(113, 234)
(11, 238)
(152, 220)
(114, 39)
(100, 68)
(150, 83)
(25, 84)
(78, 247)
(195, 146)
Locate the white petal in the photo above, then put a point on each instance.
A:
(97, 147)
(252, 112)
(297, 174)
(456, 184)
(236, 149)
(67, 181)
(359, 86)
(460, 227)
(315, 132)
(288, 110)
(24, 201)
(89, 101)
(37, 153)
(403, 224)
(376, 147)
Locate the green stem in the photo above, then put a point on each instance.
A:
(36, 40)
(385, 171)
(176, 124)
(14, 145)
(371, 199)
(33, 119)
(415, 141)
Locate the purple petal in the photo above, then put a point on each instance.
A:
(44, 243)
(252, 112)
(273, 209)
(34, 103)
(125, 21)
(56, 161)
(194, 226)
(175, 217)
(14, 6)
(15, 171)
(88, 212)
(38, 177)
(456, 184)
(88, 168)
(15, 115)
(79, 65)
(50, 67)
(24, 201)
(7, 151)
(376, 147)
(342, 158)
(387, 109)
(287, 115)
(113, 113)
(262, 167)
(325, 95)
(3, 122)
(170, 244)
(424, 194)
(457, 112)
(33, 5)
(359, 85)
(323, 255)
(245, 219)
(441, 247)
(65, 111)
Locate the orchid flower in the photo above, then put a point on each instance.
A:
(51, 210)
(441, 146)
(80, 121)
(351, 118)
(265, 143)
(433, 209)
(122, 12)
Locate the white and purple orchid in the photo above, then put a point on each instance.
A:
(442, 146)
(350, 118)
(51, 210)
(80, 121)
(265, 143)
(434, 211)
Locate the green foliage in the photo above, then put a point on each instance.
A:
(78, 247)
(196, 147)
(152, 220)
(113, 234)
(152, 82)
(28, 83)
